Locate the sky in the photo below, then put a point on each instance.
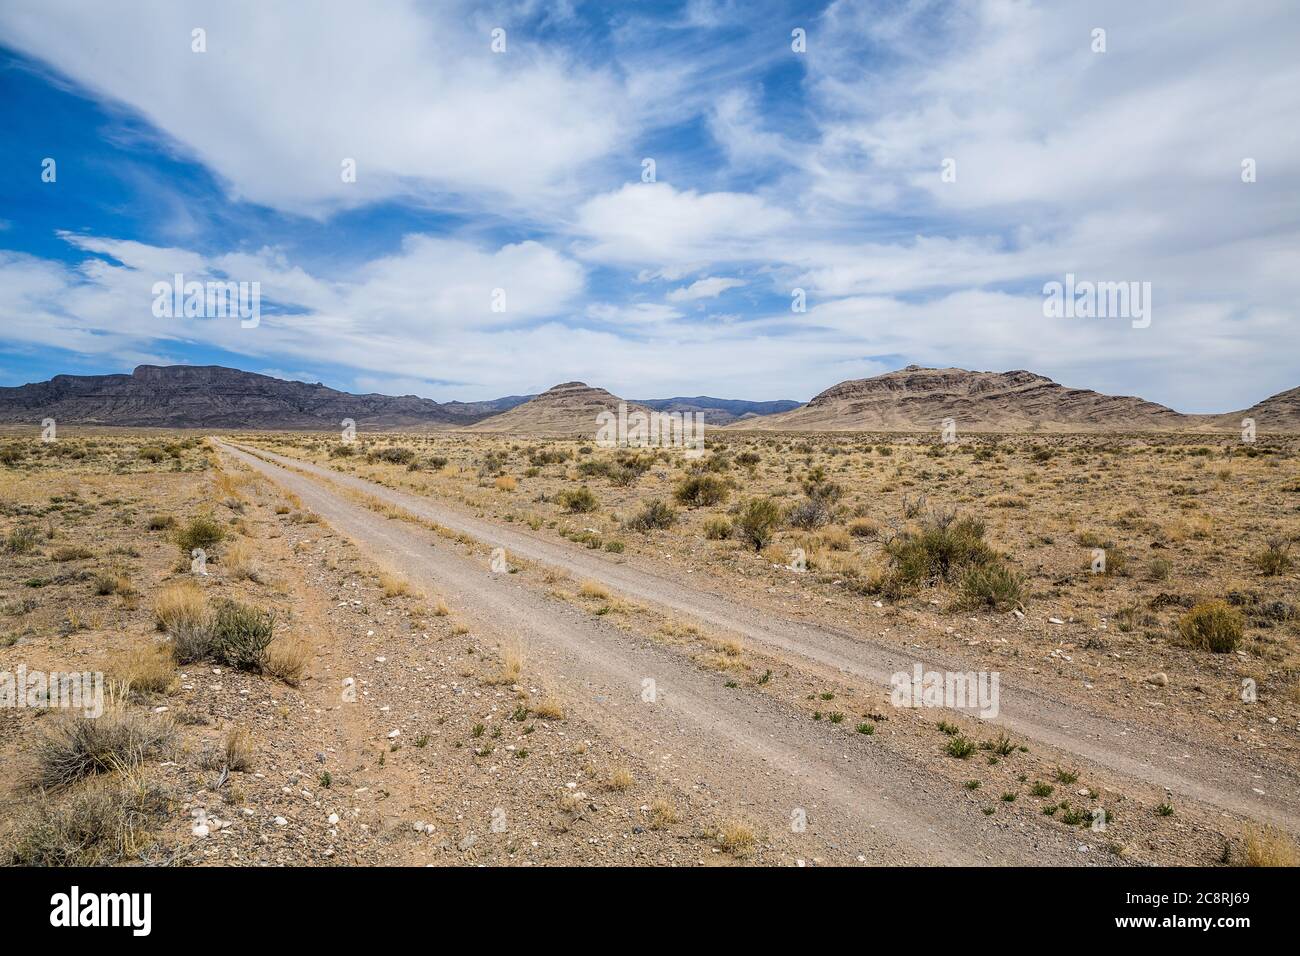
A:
(749, 200)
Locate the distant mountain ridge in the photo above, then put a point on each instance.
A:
(909, 399)
(718, 411)
(213, 396)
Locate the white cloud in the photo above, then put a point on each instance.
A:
(709, 287)
(411, 91)
(654, 225)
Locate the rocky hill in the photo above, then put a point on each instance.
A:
(569, 409)
(916, 398)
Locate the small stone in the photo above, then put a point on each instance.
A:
(1160, 680)
(281, 822)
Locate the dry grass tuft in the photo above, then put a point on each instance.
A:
(549, 709)
(506, 483)
(235, 752)
(104, 823)
(240, 559)
(286, 659)
(394, 585)
(119, 739)
(1270, 847)
(593, 589)
(178, 604)
(663, 813)
(147, 669)
(736, 837)
(620, 779)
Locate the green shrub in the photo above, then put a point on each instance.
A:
(394, 454)
(942, 548)
(992, 585)
(757, 522)
(578, 500)
(700, 491)
(241, 634)
(717, 529)
(201, 532)
(1212, 626)
(959, 747)
(655, 515)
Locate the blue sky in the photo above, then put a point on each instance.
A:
(775, 170)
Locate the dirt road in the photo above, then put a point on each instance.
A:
(1222, 778)
(859, 800)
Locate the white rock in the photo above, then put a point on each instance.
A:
(333, 819)
(281, 822)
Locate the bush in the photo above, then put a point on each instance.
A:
(579, 500)
(192, 641)
(118, 739)
(700, 491)
(810, 514)
(100, 825)
(22, 539)
(343, 450)
(201, 532)
(717, 529)
(1212, 626)
(757, 522)
(152, 453)
(394, 455)
(70, 552)
(160, 523)
(113, 581)
(655, 515)
(864, 528)
(1275, 558)
(241, 634)
(992, 585)
(942, 546)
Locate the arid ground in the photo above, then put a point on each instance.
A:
(475, 648)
